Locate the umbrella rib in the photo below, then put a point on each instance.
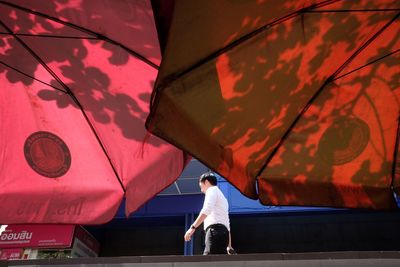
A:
(239, 41)
(353, 10)
(50, 36)
(327, 81)
(82, 29)
(68, 91)
(365, 45)
(309, 9)
(367, 64)
(33, 78)
(71, 94)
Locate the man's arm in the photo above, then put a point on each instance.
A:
(199, 220)
(209, 203)
(229, 248)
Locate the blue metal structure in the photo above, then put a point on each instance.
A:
(179, 204)
(183, 198)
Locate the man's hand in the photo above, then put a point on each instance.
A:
(188, 234)
(230, 250)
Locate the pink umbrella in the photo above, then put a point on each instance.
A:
(76, 80)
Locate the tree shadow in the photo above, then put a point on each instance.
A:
(278, 95)
(65, 50)
(277, 80)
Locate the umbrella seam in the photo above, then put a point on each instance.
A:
(82, 29)
(362, 47)
(27, 75)
(352, 10)
(50, 36)
(170, 78)
(310, 9)
(367, 64)
(33, 54)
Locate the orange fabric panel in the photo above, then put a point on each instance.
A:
(341, 151)
(263, 84)
(385, 44)
(361, 5)
(360, 107)
(232, 110)
(200, 28)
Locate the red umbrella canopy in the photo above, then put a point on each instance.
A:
(76, 80)
(294, 102)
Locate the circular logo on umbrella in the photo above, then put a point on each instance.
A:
(343, 141)
(47, 154)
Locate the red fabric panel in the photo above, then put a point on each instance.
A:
(87, 193)
(130, 23)
(112, 87)
(20, 23)
(156, 169)
(116, 101)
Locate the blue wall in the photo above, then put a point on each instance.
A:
(175, 205)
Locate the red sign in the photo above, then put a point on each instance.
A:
(37, 236)
(11, 254)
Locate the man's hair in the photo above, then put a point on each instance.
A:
(210, 177)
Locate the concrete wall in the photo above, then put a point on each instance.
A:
(354, 259)
(257, 233)
(339, 231)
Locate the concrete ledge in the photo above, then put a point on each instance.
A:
(324, 259)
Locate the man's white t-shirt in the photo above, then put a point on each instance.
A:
(215, 207)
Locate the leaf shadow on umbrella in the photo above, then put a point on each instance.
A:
(90, 84)
(286, 112)
(286, 85)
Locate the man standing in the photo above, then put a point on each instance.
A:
(215, 216)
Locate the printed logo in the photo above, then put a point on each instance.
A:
(343, 141)
(47, 154)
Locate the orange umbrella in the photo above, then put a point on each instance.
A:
(294, 102)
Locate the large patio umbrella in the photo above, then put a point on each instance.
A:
(295, 102)
(76, 79)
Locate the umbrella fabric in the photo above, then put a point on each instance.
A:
(294, 102)
(76, 81)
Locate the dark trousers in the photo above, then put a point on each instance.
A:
(217, 239)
